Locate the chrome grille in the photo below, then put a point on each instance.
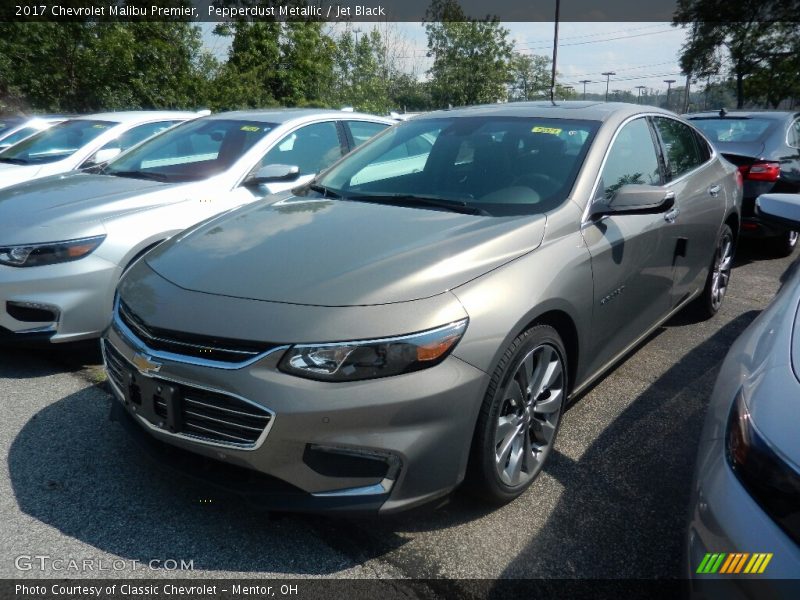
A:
(211, 348)
(202, 414)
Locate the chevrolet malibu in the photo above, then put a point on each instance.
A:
(82, 142)
(65, 240)
(421, 314)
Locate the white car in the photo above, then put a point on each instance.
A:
(65, 240)
(82, 142)
(15, 130)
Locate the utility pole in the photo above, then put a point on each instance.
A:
(639, 97)
(584, 82)
(555, 55)
(669, 83)
(608, 75)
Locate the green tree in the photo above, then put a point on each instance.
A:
(530, 77)
(471, 57)
(752, 34)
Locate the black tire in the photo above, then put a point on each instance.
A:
(709, 302)
(484, 478)
(783, 245)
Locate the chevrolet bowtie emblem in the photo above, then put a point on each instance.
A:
(145, 364)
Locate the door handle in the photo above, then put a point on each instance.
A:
(713, 191)
(670, 216)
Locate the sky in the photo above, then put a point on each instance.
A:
(639, 53)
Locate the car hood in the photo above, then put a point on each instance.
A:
(341, 253)
(39, 210)
(14, 174)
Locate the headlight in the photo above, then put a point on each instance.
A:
(34, 255)
(769, 478)
(369, 359)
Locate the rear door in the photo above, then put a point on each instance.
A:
(700, 203)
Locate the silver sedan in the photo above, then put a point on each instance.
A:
(420, 314)
(66, 239)
(746, 496)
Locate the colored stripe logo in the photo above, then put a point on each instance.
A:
(734, 563)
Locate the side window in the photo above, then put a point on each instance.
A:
(361, 131)
(794, 134)
(312, 148)
(632, 159)
(680, 145)
(704, 148)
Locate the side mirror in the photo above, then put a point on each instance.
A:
(783, 209)
(635, 198)
(273, 173)
(102, 156)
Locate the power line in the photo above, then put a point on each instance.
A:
(621, 37)
(588, 35)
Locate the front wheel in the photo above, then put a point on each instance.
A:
(719, 275)
(520, 415)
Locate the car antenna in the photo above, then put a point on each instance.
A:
(722, 112)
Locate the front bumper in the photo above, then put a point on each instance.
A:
(324, 441)
(58, 303)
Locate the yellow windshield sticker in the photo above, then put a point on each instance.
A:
(550, 130)
(250, 128)
(100, 126)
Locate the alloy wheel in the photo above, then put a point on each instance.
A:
(722, 270)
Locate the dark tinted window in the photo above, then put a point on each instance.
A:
(312, 148)
(733, 129)
(56, 143)
(502, 165)
(680, 146)
(703, 147)
(363, 130)
(794, 134)
(632, 159)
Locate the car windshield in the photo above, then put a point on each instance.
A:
(57, 143)
(734, 129)
(192, 151)
(489, 165)
(7, 124)
(18, 135)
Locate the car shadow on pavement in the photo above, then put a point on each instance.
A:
(74, 470)
(26, 362)
(624, 506)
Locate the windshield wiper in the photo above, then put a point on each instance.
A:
(458, 206)
(14, 161)
(138, 175)
(321, 189)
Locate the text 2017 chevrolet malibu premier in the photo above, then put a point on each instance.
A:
(421, 313)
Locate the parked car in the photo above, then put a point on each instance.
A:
(746, 493)
(25, 128)
(65, 240)
(82, 142)
(366, 346)
(765, 146)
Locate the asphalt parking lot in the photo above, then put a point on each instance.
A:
(612, 501)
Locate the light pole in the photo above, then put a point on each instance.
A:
(555, 55)
(639, 97)
(584, 82)
(568, 89)
(608, 75)
(669, 83)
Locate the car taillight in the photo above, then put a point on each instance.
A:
(761, 171)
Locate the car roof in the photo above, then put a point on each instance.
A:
(777, 115)
(132, 116)
(284, 115)
(588, 110)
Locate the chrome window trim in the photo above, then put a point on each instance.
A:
(140, 346)
(182, 436)
(592, 196)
